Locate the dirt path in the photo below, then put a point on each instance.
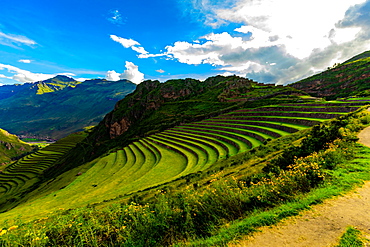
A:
(323, 224)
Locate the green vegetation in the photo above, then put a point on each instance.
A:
(155, 106)
(11, 148)
(222, 205)
(351, 238)
(347, 79)
(189, 148)
(59, 106)
(185, 163)
(21, 177)
(57, 83)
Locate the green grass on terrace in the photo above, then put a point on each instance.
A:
(232, 125)
(221, 147)
(273, 117)
(283, 112)
(237, 130)
(294, 126)
(243, 146)
(225, 140)
(211, 154)
(202, 157)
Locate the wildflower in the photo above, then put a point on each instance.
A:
(12, 228)
(3, 232)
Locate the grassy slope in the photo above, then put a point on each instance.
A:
(347, 79)
(55, 84)
(155, 106)
(137, 167)
(204, 203)
(54, 179)
(93, 170)
(20, 178)
(11, 147)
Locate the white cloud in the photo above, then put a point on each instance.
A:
(160, 71)
(27, 76)
(278, 41)
(82, 79)
(342, 35)
(12, 39)
(24, 61)
(302, 25)
(66, 74)
(131, 73)
(112, 76)
(4, 76)
(140, 50)
(129, 43)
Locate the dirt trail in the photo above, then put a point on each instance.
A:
(323, 224)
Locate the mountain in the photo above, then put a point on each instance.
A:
(155, 106)
(59, 106)
(343, 80)
(57, 83)
(11, 148)
(130, 140)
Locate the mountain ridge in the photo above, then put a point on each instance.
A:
(58, 106)
(343, 80)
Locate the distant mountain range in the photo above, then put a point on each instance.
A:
(59, 106)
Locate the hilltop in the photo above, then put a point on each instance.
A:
(343, 80)
(57, 83)
(59, 106)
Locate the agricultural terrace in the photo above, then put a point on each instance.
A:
(23, 173)
(171, 154)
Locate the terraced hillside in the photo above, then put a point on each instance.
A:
(347, 79)
(155, 107)
(11, 148)
(19, 176)
(161, 157)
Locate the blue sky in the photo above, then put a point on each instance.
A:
(271, 41)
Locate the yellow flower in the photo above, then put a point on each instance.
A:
(3, 232)
(12, 228)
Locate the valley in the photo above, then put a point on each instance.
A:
(57, 107)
